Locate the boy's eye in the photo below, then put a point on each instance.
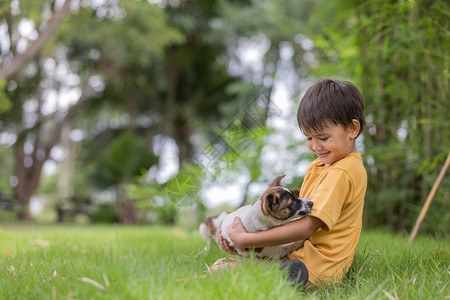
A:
(323, 139)
(309, 138)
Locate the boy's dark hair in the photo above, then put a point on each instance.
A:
(330, 100)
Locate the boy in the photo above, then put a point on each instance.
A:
(331, 116)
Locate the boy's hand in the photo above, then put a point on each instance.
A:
(223, 243)
(237, 234)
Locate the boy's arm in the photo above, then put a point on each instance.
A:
(290, 232)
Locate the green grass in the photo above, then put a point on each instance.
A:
(148, 263)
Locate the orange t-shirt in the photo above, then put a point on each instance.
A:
(338, 194)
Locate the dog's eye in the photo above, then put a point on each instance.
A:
(272, 199)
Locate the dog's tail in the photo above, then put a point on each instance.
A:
(209, 227)
(204, 231)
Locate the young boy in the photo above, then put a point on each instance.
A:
(331, 116)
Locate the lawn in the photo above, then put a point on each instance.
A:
(116, 262)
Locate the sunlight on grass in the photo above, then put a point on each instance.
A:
(106, 262)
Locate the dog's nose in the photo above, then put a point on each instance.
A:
(309, 204)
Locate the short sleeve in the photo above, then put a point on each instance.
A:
(330, 196)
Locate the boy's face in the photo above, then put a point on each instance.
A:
(333, 142)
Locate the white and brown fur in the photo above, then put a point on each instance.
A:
(277, 206)
(209, 227)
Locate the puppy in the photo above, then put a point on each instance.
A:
(209, 227)
(277, 206)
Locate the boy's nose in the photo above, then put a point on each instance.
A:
(316, 146)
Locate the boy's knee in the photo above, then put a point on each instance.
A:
(297, 271)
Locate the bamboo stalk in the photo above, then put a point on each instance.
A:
(430, 198)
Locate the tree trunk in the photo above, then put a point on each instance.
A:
(182, 134)
(28, 168)
(129, 212)
(28, 173)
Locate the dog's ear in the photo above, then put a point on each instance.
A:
(267, 202)
(264, 205)
(277, 181)
(296, 192)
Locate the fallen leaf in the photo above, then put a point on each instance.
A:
(94, 283)
(105, 279)
(389, 296)
(191, 278)
(40, 243)
(53, 293)
(12, 269)
(179, 232)
(8, 251)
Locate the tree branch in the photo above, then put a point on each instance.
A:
(19, 61)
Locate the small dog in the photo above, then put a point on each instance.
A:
(277, 206)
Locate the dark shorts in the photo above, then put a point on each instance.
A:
(297, 271)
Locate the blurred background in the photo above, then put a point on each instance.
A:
(168, 111)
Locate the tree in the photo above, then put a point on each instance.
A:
(52, 75)
(18, 60)
(404, 78)
(24, 89)
(178, 92)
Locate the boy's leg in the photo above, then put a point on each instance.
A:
(297, 271)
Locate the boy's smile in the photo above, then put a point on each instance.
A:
(333, 142)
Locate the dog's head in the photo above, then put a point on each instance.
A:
(282, 203)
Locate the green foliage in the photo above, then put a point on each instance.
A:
(403, 85)
(239, 152)
(123, 159)
(164, 263)
(165, 201)
(184, 188)
(5, 102)
(105, 213)
(47, 185)
(7, 215)
(33, 9)
(133, 34)
(333, 30)
(4, 7)
(6, 154)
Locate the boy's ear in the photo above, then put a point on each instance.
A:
(354, 129)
